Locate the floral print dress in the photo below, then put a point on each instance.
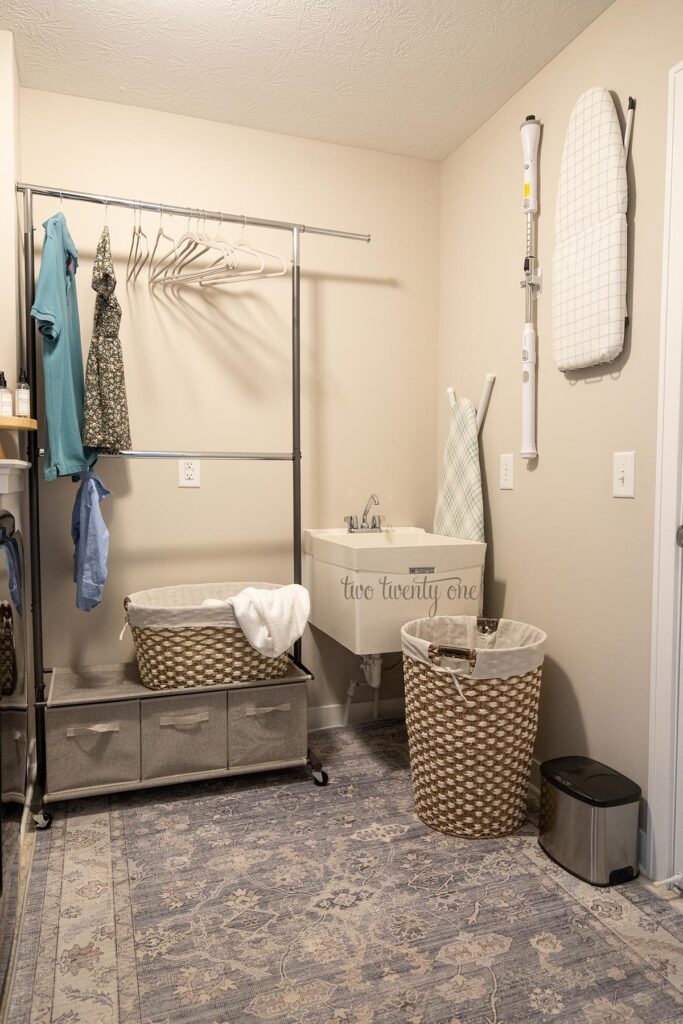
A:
(106, 407)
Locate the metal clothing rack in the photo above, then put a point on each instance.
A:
(34, 452)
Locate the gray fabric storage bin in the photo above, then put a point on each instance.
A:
(13, 743)
(92, 745)
(184, 734)
(267, 724)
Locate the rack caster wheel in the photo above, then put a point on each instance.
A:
(42, 820)
(320, 778)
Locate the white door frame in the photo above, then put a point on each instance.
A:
(658, 856)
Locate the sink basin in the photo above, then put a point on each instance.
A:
(365, 586)
(402, 549)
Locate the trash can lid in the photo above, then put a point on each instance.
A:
(590, 781)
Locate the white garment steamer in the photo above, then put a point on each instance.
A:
(531, 134)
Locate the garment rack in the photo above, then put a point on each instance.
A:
(34, 453)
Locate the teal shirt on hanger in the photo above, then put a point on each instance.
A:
(55, 310)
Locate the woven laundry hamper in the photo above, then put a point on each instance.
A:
(180, 643)
(472, 688)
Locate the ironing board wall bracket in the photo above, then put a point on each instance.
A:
(483, 401)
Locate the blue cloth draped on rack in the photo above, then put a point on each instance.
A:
(91, 542)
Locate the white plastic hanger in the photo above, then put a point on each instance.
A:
(242, 247)
(187, 244)
(230, 262)
(155, 270)
(199, 244)
(136, 258)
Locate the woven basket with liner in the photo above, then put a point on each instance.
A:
(179, 643)
(472, 688)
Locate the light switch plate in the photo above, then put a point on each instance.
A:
(506, 472)
(188, 472)
(624, 475)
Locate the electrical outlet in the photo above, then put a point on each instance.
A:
(624, 475)
(188, 472)
(506, 465)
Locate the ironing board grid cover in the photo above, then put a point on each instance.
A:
(589, 262)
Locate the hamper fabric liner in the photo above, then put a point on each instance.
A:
(179, 643)
(472, 688)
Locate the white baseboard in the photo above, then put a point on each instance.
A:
(643, 866)
(331, 716)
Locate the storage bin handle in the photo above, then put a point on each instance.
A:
(101, 727)
(439, 651)
(184, 721)
(435, 653)
(456, 652)
(265, 711)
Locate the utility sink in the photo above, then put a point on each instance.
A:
(402, 549)
(365, 586)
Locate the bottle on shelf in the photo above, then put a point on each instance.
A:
(22, 396)
(6, 403)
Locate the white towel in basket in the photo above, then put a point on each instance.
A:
(271, 620)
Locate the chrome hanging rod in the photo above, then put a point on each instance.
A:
(241, 456)
(186, 211)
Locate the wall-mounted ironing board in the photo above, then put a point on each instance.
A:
(590, 258)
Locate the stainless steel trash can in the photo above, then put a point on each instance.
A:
(589, 820)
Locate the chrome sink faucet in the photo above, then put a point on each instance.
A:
(374, 525)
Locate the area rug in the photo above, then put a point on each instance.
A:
(267, 899)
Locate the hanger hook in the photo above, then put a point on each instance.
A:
(61, 200)
(106, 211)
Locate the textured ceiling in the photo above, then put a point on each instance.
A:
(404, 76)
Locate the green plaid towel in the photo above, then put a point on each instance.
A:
(459, 505)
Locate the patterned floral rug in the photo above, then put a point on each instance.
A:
(266, 899)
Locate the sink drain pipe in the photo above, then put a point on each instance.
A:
(371, 664)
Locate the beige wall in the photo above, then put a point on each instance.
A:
(11, 325)
(564, 554)
(10, 318)
(210, 369)
(213, 371)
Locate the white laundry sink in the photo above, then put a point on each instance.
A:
(403, 549)
(365, 586)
